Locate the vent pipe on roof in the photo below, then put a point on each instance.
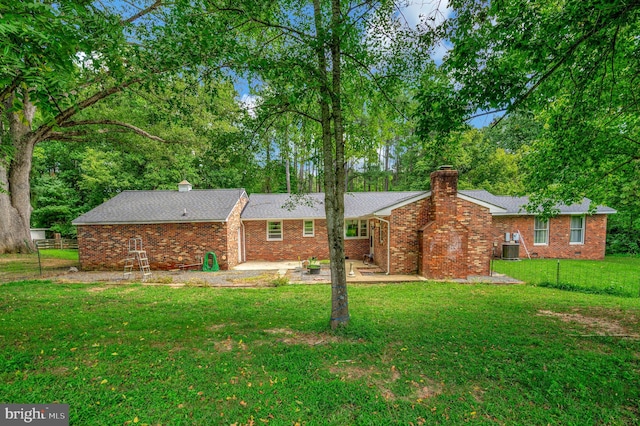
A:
(184, 186)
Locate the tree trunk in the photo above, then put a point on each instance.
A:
(286, 164)
(301, 177)
(15, 191)
(267, 181)
(333, 153)
(386, 166)
(340, 300)
(288, 173)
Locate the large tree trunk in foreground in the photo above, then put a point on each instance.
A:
(16, 151)
(333, 153)
(14, 231)
(15, 191)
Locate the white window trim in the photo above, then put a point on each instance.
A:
(281, 230)
(358, 237)
(582, 229)
(546, 243)
(313, 228)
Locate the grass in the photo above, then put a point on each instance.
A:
(613, 275)
(24, 266)
(419, 353)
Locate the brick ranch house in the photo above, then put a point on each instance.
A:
(442, 233)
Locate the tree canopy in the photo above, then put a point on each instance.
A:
(571, 64)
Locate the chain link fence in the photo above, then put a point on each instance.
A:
(42, 263)
(616, 276)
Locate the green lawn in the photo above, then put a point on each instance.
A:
(419, 353)
(614, 275)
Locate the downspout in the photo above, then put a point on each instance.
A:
(388, 243)
(244, 243)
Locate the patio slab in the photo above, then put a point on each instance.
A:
(362, 273)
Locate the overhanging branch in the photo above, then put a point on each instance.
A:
(131, 127)
(143, 12)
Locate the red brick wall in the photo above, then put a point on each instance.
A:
(559, 246)
(104, 247)
(444, 250)
(404, 247)
(234, 235)
(293, 245)
(478, 221)
(380, 234)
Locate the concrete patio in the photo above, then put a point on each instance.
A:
(361, 273)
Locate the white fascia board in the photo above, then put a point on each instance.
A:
(493, 209)
(525, 213)
(150, 222)
(245, 219)
(387, 210)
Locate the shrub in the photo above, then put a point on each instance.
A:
(279, 281)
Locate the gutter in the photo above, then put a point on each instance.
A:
(244, 242)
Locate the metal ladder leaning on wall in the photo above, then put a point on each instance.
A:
(136, 255)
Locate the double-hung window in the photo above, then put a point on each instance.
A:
(540, 231)
(308, 228)
(274, 230)
(576, 235)
(356, 228)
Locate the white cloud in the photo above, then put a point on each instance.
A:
(250, 103)
(89, 61)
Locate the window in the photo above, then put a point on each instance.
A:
(577, 230)
(274, 231)
(308, 228)
(354, 228)
(540, 231)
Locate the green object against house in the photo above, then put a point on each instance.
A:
(210, 263)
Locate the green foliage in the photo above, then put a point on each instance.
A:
(571, 64)
(203, 144)
(279, 281)
(564, 73)
(171, 356)
(55, 205)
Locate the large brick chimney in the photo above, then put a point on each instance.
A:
(444, 238)
(444, 188)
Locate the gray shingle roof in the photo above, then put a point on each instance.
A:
(515, 205)
(164, 206)
(311, 206)
(216, 204)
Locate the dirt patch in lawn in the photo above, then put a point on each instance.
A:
(384, 381)
(229, 345)
(597, 325)
(291, 337)
(97, 289)
(347, 370)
